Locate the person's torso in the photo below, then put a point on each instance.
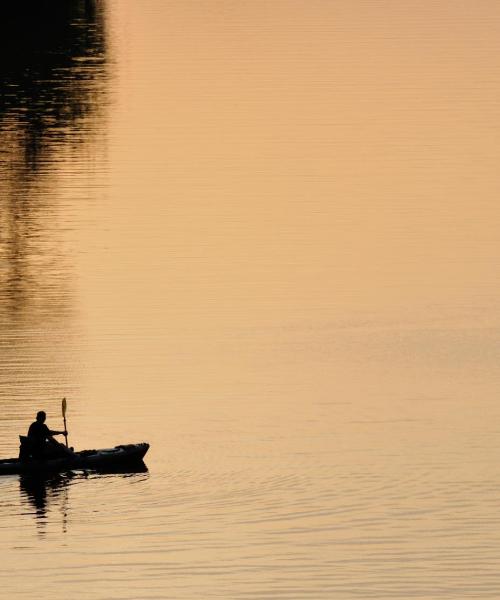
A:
(38, 431)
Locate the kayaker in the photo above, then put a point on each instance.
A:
(41, 441)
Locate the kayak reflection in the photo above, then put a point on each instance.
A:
(39, 491)
(46, 492)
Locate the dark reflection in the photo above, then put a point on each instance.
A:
(131, 469)
(45, 492)
(41, 490)
(53, 69)
(51, 52)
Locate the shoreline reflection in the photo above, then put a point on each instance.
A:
(52, 57)
(54, 67)
(53, 94)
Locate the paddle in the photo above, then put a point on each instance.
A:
(64, 405)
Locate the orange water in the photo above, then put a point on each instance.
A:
(262, 236)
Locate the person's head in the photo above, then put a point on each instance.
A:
(41, 416)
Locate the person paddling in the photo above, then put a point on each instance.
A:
(41, 442)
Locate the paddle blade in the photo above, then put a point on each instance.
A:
(64, 407)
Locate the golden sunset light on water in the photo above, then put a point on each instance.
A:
(261, 237)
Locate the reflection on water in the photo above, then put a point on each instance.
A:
(284, 276)
(50, 56)
(53, 64)
(44, 493)
(41, 492)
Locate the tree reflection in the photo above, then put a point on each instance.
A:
(53, 69)
(51, 53)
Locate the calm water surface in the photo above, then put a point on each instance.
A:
(262, 236)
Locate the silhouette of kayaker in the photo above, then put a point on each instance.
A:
(41, 441)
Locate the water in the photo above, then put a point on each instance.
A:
(264, 238)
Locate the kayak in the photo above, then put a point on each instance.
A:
(119, 456)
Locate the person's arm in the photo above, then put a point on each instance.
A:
(57, 432)
(49, 432)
